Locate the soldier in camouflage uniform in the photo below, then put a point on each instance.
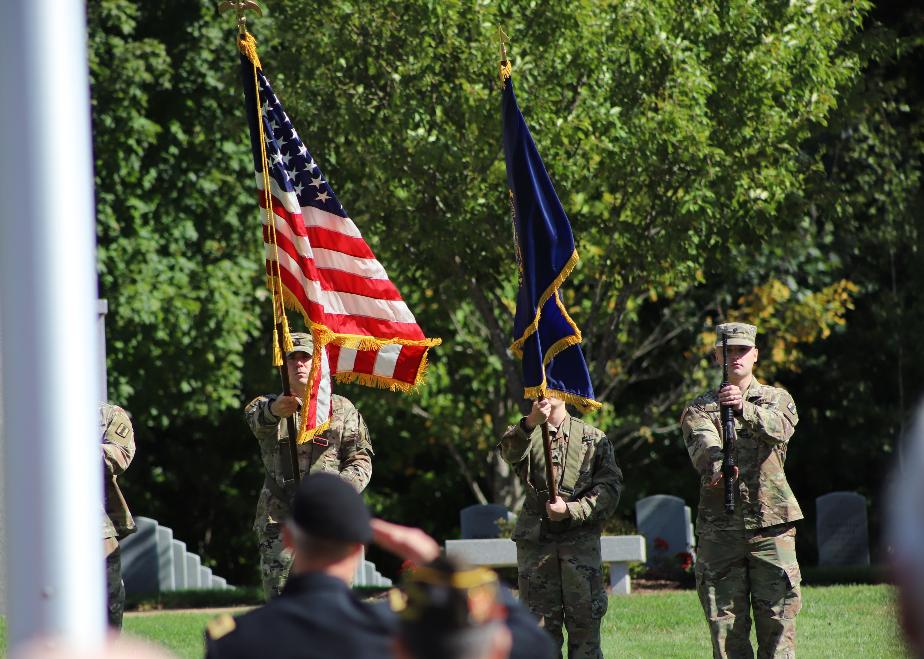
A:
(118, 443)
(558, 542)
(343, 449)
(746, 560)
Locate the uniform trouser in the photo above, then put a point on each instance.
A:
(115, 589)
(737, 571)
(562, 583)
(275, 560)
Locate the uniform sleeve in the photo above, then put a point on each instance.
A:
(262, 422)
(356, 451)
(774, 420)
(514, 445)
(601, 499)
(118, 441)
(702, 440)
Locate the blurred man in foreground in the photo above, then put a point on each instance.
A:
(318, 614)
(905, 535)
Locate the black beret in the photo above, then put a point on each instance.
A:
(326, 506)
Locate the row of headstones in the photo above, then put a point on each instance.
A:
(367, 575)
(153, 562)
(841, 526)
(666, 522)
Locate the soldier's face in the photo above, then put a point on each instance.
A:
(299, 366)
(741, 360)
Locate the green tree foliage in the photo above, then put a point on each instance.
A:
(179, 260)
(718, 160)
(674, 133)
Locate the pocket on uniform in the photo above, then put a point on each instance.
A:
(792, 602)
(523, 586)
(598, 599)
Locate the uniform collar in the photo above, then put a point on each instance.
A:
(297, 584)
(753, 389)
(564, 429)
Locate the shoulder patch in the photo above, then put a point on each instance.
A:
(220, 626)
(791, 406)
(123, 430)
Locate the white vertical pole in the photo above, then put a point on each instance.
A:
(48, 309)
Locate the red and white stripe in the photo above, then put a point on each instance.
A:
(328, 268)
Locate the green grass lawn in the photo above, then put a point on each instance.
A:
(836, 621)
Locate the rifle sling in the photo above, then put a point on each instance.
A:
(278, 491)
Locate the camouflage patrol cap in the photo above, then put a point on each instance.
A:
(301, 342)
(448, 609)
(739, 334)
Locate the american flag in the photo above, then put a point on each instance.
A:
(327, 271)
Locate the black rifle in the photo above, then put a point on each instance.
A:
(729, 462)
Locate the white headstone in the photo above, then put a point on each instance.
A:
(480, 521)
(166, 574)
(843, 537)
(205, 577)
(664, 520)
(179, 564)
(193, 570)
(140, 563)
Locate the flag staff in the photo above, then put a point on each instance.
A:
(281, 338)
(53, 471)
(505, 69)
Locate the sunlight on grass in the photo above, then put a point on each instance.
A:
(836, 621)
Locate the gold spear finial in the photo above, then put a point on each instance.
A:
(504, 62)
(240, 7)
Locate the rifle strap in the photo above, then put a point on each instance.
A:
(278, 491)
(574, 457)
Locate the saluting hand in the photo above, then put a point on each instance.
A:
(405, 541)
(284, 406)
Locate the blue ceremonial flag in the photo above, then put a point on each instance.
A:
(544, 337)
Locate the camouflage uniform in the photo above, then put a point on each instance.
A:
(747, 559)
(560, 572)
(344, 448)
(118, 443)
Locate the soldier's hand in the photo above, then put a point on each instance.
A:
(284, 406)
(557, 510)
(405, 541)
(717, 478)
(539, 414)
(730, 395)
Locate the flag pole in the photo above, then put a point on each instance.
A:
(549, 471)
(53, 471)
(289, 447)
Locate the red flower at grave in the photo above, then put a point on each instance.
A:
(686, 560)
(661, 544)
(407, 566)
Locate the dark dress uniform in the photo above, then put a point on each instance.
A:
(316, 616)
